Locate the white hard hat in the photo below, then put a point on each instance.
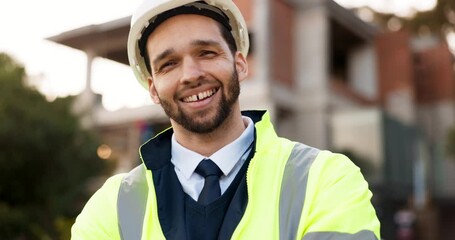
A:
(145, 19)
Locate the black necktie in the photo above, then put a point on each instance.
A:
(211, 172)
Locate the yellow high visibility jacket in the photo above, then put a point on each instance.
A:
(294, 192)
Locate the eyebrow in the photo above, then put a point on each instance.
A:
(163, 55)
(205, 43)
(200, 43)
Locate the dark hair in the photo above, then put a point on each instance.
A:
(227, 36)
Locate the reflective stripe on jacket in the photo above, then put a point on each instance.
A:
(294, 192)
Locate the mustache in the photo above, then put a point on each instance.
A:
(195, 84)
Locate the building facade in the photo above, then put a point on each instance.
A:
(331, 81)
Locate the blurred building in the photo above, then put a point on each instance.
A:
(331, 81)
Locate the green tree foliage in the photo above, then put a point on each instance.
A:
(46, 159)
(440, 20)
(450, 145)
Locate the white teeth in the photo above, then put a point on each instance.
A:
(199, 96)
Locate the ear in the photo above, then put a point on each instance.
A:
(152, 91)
(241, 65)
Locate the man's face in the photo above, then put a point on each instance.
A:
(195, 77)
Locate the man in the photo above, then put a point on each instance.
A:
(219, 173)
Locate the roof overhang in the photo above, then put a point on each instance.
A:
(108, 40)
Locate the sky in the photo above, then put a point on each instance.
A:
(59, 71)
(399, 7)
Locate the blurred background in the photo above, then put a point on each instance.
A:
(371, 79)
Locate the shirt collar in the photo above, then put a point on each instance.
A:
(226, 158)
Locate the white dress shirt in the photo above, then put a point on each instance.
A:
(229, 159)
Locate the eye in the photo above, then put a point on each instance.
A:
(207, 53)
(166, 66)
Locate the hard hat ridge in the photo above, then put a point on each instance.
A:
(198, 8)
(149, 15)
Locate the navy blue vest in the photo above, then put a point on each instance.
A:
(180, 216)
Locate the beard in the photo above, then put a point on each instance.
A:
(191, 122)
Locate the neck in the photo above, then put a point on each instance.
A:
(208, 143)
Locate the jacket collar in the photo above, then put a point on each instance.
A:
(156, 152)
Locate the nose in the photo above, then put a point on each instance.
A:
(191, 70)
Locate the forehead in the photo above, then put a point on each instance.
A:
(183, 29)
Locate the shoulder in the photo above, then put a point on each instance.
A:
(334, 164)
(338, 193)
(98, 219)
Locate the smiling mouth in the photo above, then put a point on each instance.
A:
(200, 96)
